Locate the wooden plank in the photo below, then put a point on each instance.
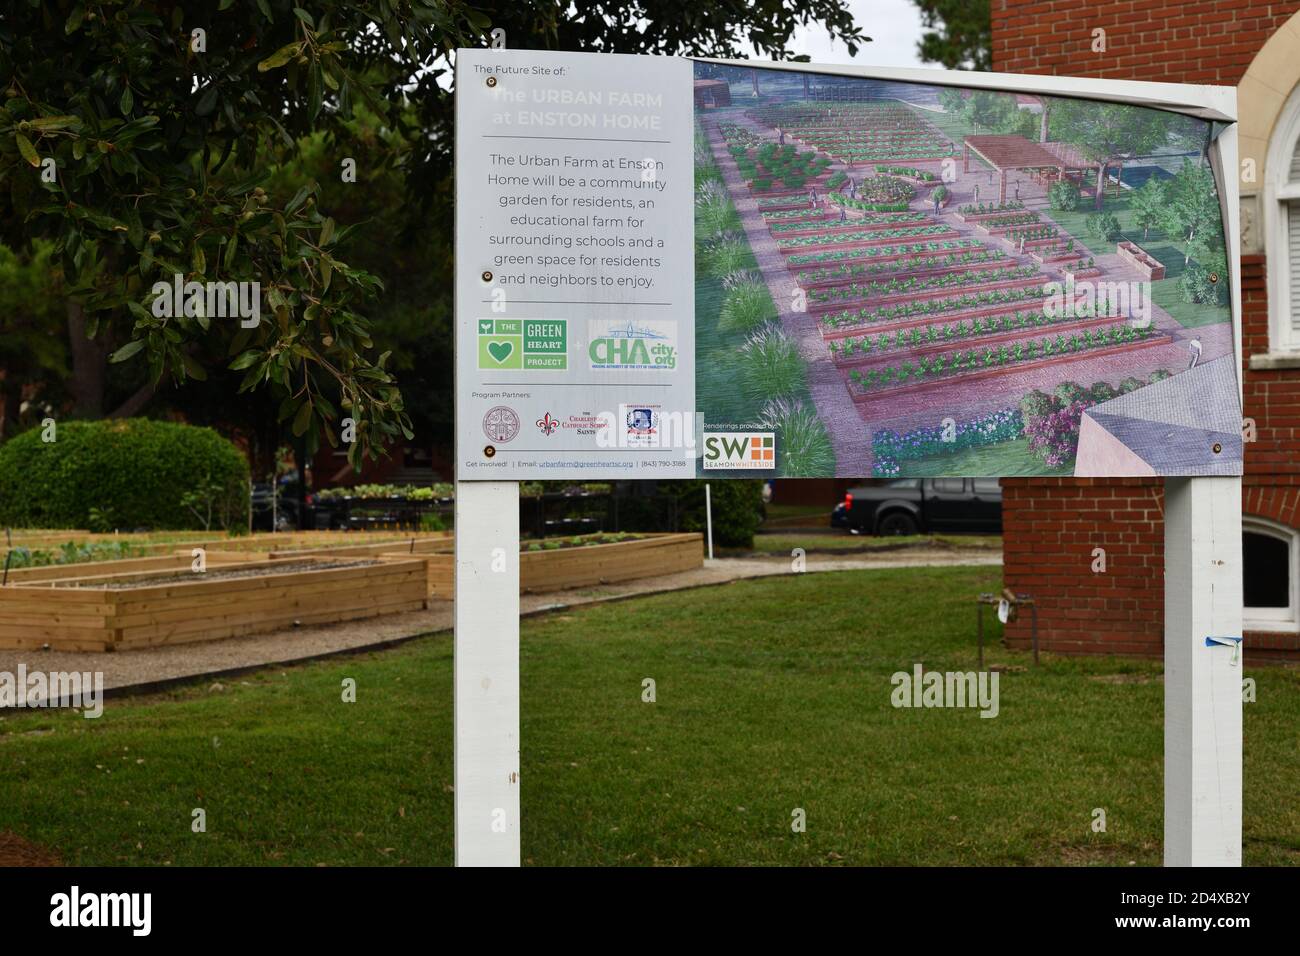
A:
(137, 638)
(261, 582)
(333, 595)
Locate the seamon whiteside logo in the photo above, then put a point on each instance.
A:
(750, 450)
(210, 300)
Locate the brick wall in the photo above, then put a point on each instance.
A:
(1199, 41)
(1052, 526)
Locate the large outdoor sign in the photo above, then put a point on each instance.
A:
(671, 268)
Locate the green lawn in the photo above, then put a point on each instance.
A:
(1165, 292)
(1006, 459)
(772, 695)
(841, 541)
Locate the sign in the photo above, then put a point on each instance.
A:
(670, 268)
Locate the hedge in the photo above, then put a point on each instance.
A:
(737, 508)
(124, 473)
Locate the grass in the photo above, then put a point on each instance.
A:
(1165, 292)
(1004, 460)
(771, 695)
(842, 542)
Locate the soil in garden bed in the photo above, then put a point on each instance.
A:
(220, 574)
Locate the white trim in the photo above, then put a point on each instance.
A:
(1274, 619)
(1277, 191)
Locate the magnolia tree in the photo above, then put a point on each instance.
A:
(139, 142)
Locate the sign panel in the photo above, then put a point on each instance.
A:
(574, 254)
(672, 268)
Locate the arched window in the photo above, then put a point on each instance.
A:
(1282, 229)
(1270, 572)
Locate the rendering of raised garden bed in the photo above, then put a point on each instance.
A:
(1140, 259)
(104, 608)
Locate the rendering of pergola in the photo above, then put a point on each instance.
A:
(1006, 152)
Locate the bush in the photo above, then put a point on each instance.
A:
(802, 446)
(939, 193)
(1035, 405)
(1069, 392)
(1103, 226)
(737, 508)
(1101, 392)
(132, 473)
(748, 304)
(1063, 196)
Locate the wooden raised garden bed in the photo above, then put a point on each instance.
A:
(644, 556)
(99, 607)
(1140, 259)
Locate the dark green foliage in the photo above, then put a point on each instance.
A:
(737, 509)
(142, 473)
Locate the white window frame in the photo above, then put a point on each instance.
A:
(1276, 619)
(1278, 192)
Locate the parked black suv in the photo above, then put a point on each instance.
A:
(924, 505)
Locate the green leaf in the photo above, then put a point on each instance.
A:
(27, 150)
(231, 245)
(302, 419)
(73, 23)
(266, 10)
(326, 232)
(126, 351)
(193, 368)
(126, 102)
(245, 360)
(198, 260)
(54, 122)
(279, 58)
(304, 16)
(208, 101)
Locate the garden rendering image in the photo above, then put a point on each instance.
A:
(903, 280)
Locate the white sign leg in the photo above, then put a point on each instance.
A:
(486, 673)
(1203, 599)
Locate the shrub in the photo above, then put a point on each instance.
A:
(1101, 392)
(1035, 405)
(747, 304)
(762, 185)
(737, 508)
(1068, 392)
(142, 473)
(770, 363)
(939, 193)
(1103, 226)
(1195, 285)
(1063, 196)
(1130, 385)
(803, 449)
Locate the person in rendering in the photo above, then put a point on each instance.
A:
(844, 214)
(935, 199)
(812, 197)
(780, 135)
(853, 189)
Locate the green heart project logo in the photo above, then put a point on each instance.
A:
(500, 351)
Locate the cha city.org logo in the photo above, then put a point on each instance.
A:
(632, 345)
(750, 450)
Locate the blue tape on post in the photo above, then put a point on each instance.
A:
(1233, 642)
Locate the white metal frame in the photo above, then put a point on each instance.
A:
(1203, 589)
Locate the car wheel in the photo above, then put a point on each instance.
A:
(897, 523)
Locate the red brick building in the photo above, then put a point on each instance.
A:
(1053, 526)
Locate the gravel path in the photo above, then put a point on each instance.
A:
(149, 665)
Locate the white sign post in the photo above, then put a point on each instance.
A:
(486, 670)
